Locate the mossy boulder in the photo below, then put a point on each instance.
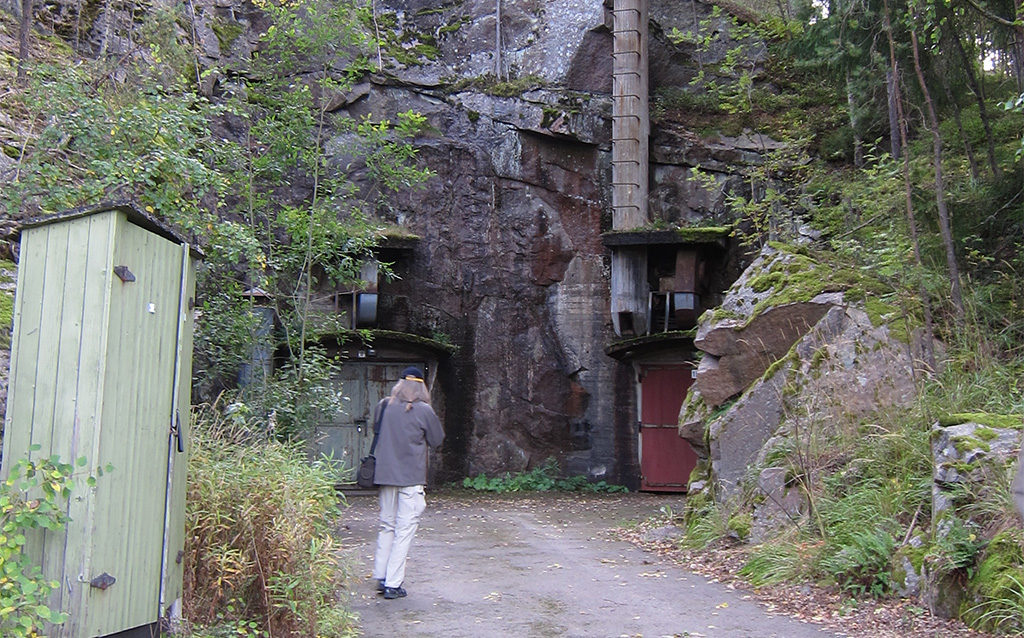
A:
(769, 307)
(790, 354)
(995, 593)
(972, 452)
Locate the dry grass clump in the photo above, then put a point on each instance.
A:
(259, 558)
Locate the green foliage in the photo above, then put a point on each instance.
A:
(269, 204)
(492, 85)
(328, 235)
(104, 143)
(7, 270)
(1014, 421)
(543, 478)
(774, 562)
(706, 522)
(1016, 105)
(32, 499)
(861, 562)
(996, 591)
(259, 556)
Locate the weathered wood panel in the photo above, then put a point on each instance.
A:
(630, 291)
(134, 433)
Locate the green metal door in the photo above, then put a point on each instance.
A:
(347, 437)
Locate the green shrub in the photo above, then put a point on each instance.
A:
(33, 498)
(862, 562)
(543, 478)
(259, 557)
(996, 591)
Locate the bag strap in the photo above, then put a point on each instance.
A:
(376, 427)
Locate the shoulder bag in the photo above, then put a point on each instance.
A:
(368, 464)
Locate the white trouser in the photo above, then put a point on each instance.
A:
(400, 510)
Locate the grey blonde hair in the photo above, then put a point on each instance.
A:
(410, 391)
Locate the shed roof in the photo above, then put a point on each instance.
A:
(135, 216)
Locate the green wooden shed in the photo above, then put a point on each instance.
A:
(101, 362)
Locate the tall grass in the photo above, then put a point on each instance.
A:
(258, 555)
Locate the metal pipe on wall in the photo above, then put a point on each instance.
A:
(630, 119)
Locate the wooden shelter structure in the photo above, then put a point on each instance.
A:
(100, 368)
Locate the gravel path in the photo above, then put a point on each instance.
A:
(539, 565)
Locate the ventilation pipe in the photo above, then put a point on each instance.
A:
(630, 120)
(630, 129)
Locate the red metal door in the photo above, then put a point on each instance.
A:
(665, 459)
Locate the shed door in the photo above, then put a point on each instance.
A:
(347, 437)
(665, 459)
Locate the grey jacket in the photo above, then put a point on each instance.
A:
(403, 442)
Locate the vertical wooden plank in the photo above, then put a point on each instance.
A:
(48, 545)
(28, 346)
(114, 501)
(174, 577)
(24, 347)
(48, 334)
(90, 243)
(82, 336)
(630, 290)
(686, 271)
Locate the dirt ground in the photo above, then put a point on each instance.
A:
(540, 565)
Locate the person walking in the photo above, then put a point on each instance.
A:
(406, 429)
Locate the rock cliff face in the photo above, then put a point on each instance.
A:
(510, 265)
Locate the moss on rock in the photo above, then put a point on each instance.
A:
(1002, 421)
(740, 524)
(995, 599)
(704, 233)
(7, 279)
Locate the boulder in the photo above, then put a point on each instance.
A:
(743, 337)
(799, 368)
(778, 504)
(1018, 484)
(969, 453)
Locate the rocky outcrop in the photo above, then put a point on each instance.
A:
(783, 359)
(738, 346)
(511, 264)
(971, 454)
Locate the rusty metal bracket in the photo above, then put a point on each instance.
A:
(124, 274)
(103, 581)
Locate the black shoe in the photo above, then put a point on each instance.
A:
(392, 593)
(380, 586)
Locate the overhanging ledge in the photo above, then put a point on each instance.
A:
(704, 236)
(632, 348)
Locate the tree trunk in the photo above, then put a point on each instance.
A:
(892, 92)
(851, 105)
(976, 89)
(901, 123)
(945, 228)
(968, 149)
(23, 33)
(498, 70)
